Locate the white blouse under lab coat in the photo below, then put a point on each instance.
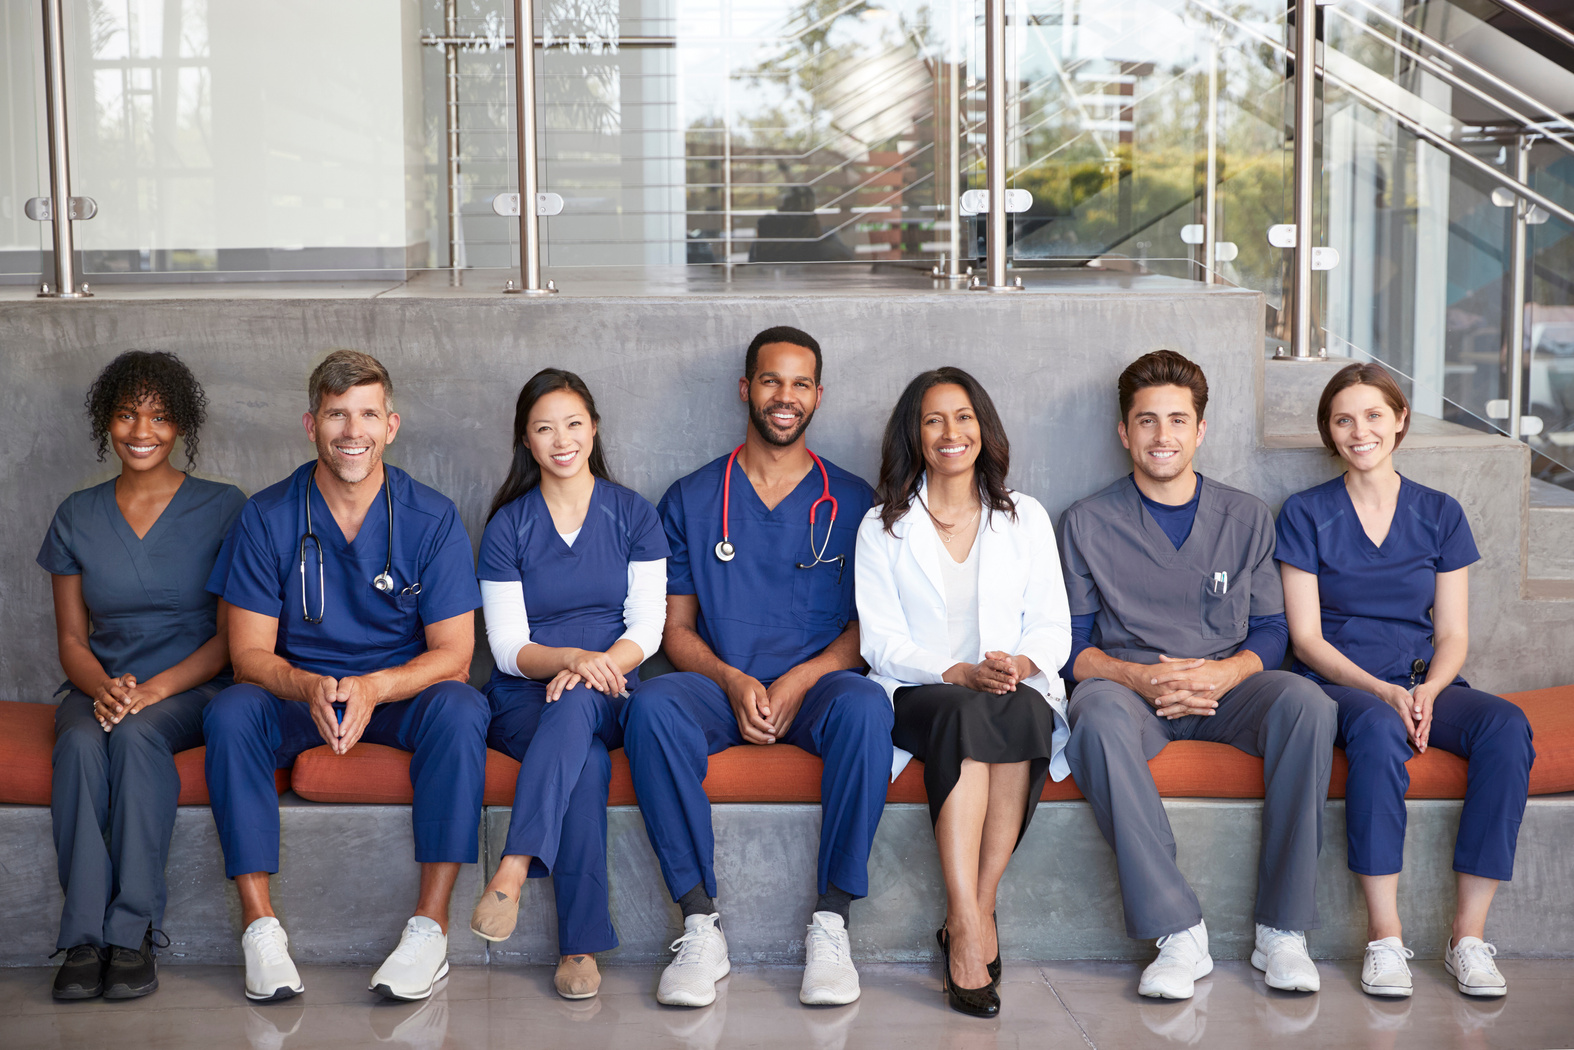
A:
(902, 624)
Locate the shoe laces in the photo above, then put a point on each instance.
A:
(1477, 956)
(826, 945)
(691, 944)
(77, 954)
(1275, 938)
(414, 941)
(1385, 956)
(270, 947)
(1173, 945)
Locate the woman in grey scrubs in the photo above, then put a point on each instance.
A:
(143, 646)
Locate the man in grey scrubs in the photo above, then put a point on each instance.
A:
(1178, 630)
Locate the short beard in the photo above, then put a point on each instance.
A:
(326, 458)
(762, 427)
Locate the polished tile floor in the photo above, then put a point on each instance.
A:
(1051, 1005)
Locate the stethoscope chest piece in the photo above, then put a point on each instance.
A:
(383, 582)
(725, 551)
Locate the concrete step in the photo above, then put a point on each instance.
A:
(348, 884)
(1551, 532)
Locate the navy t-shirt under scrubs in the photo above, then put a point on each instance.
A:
(759, 612)
(145, 597)
(1376, 600)
(362, 629)
(573, 594)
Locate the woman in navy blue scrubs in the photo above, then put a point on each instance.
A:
(143, 646)
(573, 584)
(1376, 592)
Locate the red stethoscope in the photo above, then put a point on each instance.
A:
(725, 551)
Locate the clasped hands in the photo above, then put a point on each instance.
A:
(765, 713)
(1415, 707)
(597, 670)
(121, 696)
(998, 673)
(359, 697)
(1181, 686)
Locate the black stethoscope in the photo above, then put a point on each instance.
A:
(726, 551)
(383, 581)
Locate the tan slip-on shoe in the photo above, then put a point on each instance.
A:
(577, 977)
(495, 916)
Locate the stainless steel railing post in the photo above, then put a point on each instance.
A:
(525, 125)
(1305, 173)
(65, 286)
(1515, 328)
(451, 116)
(952, 70)
(995, 132)
(1210, 232)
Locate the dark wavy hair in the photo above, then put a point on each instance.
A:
(1162, 368)
(524, 473)
(902, 452)
(134, 377)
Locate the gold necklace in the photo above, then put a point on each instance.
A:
(954, 531)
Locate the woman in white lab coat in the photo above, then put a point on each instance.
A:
(963, 619)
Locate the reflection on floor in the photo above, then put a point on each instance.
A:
(1053, 1005)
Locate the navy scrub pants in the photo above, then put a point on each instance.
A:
(673, 723)
(251, 733)
(560, 800)
(1487, 731)
(112, 804)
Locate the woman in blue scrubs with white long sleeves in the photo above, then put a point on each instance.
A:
(573, 584)
(1376, 593)
(143, 646)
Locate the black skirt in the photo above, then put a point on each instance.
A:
(943, 724)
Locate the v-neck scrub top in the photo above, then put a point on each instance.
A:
(758, 612)
(1150, 597)
(1376, 600)
(575, 587)
(146, 598)
(362, 629)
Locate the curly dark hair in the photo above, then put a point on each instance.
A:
(137, 375)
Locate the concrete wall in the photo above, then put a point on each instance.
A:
(348, 883)
(665, 375)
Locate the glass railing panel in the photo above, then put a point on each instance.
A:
(24, 171)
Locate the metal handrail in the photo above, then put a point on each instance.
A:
(1539, 20)
(1438, 69)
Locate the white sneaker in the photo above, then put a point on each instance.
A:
(1183, 958)
(1384, 970)
(829, 977)
(1281, 956)
(420, 961)
(270, 973)
(690, 979)
(1470, 964)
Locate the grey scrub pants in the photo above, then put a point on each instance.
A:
(112, 803)
(1282, 718)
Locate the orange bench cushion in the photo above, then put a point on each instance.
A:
(27, 740)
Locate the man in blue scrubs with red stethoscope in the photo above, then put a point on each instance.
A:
(762, 628)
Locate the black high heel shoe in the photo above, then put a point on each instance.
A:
(976, 1002)
(994, 967)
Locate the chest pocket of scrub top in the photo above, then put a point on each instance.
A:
(1224, 615)
(817, 592)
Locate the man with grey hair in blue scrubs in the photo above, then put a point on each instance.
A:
(1178, 631)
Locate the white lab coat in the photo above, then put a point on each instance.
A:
(1022, 608)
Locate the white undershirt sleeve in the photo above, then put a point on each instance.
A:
(507, 625)
(645, 606)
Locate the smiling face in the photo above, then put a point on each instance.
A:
(1162, 432)
(142, 434)
(1364, 427)
(351, 430)
(949, 425)
(783, 395)
(560, 434)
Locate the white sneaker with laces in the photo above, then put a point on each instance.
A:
(1183, 958)
(690, 979)
(1470, 964)
(1384, 970)
(270, 973)
(420, 961)
(1282, 957)
(829, 977)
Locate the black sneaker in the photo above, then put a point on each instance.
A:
(81, 976)
(131, 972)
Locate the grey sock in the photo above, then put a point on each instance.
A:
(696, 901)
(837, 900)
